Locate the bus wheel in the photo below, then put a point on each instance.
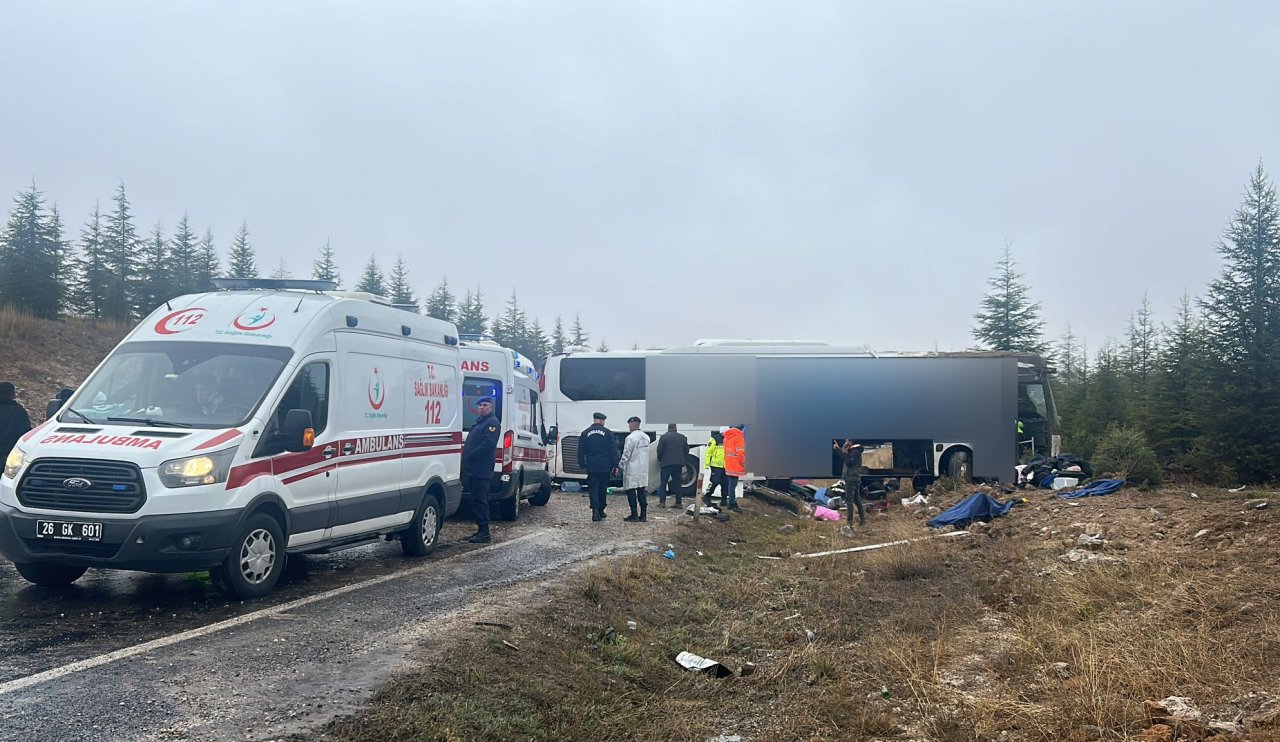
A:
(958, 466)
(50, 575)
(689, 476)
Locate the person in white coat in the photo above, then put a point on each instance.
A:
(635, 470)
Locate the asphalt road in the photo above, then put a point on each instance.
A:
(133, 656)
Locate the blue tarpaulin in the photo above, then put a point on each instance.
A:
(1100, 487)
(978, 506)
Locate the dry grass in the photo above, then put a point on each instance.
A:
(45, 355)
(963, 633)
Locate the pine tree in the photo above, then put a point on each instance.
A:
(557, 337)
(578, 337)
(1242, 316)
(1009, 320)
(1177, 388)
(207, 264)
(325, 268)
(184, 257)
(398, 285)
(241, 261)
(1141, 351)
(372, 281)
(61, 267)
(510, 329)
(537, 345)
(471, 315)
(281, 271)
(29, 257)
(1106, 397)
(88, 293)
(120, 250)
(603, 348)
(442, 304)
(153, 285)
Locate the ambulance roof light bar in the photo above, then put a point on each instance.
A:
(273, 284)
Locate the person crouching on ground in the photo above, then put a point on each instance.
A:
(635, 470)
(598, 456)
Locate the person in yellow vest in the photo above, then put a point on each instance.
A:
(713, 459)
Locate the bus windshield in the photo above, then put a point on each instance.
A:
(180, 384)
(589, 379)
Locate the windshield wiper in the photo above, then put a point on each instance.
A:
(80, 415)
(148, 422)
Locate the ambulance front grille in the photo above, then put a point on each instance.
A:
(569, 455)
(113, 486)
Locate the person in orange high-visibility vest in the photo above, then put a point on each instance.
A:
(735, 464)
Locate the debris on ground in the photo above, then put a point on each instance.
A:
(1256, 504)
(694, 663)
(787, 529)
(979, 506)
(1080, 556)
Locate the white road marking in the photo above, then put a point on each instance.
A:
(274, 611)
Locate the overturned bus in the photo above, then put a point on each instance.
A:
(918, 415)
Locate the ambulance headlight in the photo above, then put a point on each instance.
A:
(210, 468)
(12, 465)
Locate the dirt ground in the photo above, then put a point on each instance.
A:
(54, 354)
(1063, 620)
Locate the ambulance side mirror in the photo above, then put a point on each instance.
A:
(297, 433)
(551, 436)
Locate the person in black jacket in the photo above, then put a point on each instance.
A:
(851, 456)
(477, 466)
(673, 449)
(13, 418)
(598, 455)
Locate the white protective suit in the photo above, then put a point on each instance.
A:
(635, 461)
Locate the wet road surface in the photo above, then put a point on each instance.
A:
(193, 665)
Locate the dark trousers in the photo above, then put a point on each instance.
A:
(853, 498)
(717, 480)
(671, 474)
(478, 489)
(597, 483)
(637, 496)
(730, 490)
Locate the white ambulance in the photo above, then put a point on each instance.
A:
(231, 428)
(510, 379)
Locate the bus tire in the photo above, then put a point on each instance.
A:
(689, 476)
(958, 466)
(543, 495)
(50, 575)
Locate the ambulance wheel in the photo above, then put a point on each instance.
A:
(508, 509)
(50, 575)
(543, 495)
(958, 466)
(256, 560)
(424, 532)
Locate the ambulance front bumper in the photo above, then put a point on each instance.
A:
(187, 542)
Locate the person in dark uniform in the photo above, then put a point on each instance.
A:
(13, 418)
(851, 455)
(477, 465)
(598, 455)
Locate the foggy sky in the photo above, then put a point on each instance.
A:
(672, 170)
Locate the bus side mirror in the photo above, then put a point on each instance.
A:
(551, 436)
(297, 433)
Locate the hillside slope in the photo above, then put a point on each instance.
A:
(42, 356)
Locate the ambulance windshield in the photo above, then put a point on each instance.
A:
(176, 384)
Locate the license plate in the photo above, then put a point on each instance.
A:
(62, 530)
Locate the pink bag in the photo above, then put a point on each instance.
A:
(824, 513)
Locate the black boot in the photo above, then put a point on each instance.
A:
(596, 516)
(631, 500)
(481, 537)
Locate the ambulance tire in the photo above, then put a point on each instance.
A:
(50, 575)
(423, 534)
(689, 476)
(260, 543)
(508, 509)
(543, 495)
